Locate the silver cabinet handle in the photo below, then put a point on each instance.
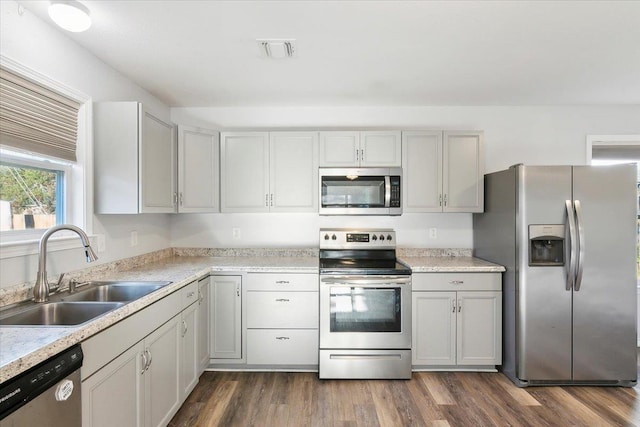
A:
(459, 305)
(456, 282)
(144, 362)
(282, 282)
(271, 199)
(282, 338)
(362, 154)
(238, 291)
(266, 200)
(175, 198)
(191, 294)
(150, 359)
(184, 328)
(453, 306)
(440, 199)
(181, 198)
(282, 299)
(445, 200)
(357, 154)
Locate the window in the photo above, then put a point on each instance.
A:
(32, 192)
(43, 151)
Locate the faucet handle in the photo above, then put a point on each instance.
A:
(59, 284)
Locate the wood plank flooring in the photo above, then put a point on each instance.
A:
(428, 399)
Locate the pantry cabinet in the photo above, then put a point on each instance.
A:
(134, 160)
(198, 170)
(360, 149)
(282, 320)
(457, 320)
(269, 172)
(226, 317)
(443, 171)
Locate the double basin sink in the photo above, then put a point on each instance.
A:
(95, 299)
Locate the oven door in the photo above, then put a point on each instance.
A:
(365, 312)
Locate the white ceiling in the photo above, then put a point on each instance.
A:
(375, 53)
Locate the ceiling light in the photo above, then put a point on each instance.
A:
(70, 14)
(277, 48)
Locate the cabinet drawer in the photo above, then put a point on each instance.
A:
(456, 282)
(189, 294)
(282, 309)
(282, 347)
(282, 282)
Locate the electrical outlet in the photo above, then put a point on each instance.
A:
(134, 238)
(433, 233)
(236, 233)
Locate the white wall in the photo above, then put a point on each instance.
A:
(531, 135)
(37, 45)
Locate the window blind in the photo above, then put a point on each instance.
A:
(37, 119)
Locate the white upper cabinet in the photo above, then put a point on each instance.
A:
(360, 149)
(269, 172)
(198, 170)
(134, 160)
(293, 161)
(443, 171)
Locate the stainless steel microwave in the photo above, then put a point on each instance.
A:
(360, 191)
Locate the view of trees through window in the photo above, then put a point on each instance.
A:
(28, 197)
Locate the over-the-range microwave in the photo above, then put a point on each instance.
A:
(360, 191)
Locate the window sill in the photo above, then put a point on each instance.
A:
(14, 249)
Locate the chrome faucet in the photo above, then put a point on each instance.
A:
(41, 288)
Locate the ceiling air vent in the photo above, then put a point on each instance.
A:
(277, 48)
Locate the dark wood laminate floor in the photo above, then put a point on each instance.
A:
(428, 399)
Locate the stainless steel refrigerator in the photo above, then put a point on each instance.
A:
(567, 237)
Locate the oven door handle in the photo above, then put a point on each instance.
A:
(365, 280)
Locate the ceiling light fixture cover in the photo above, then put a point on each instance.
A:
(277, 48)
(70, 14)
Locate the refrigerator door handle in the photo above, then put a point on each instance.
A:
(573, 244)
(580, 263)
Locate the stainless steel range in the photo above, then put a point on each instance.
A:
(365, 306)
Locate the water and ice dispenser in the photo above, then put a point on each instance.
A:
(546, 245)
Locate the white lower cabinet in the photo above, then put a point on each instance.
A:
(202, 314)
(457, 320)
(282, 320)
(226, 317)
(138, 388)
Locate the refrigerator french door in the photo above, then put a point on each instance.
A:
(567, 235)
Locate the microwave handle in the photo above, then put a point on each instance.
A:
(387, 191)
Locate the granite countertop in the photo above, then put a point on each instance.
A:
(24, 347)
(457, 264)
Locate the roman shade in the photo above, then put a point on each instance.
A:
(37, 119)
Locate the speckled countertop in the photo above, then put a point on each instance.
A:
(23, 347)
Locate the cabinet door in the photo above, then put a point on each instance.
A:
(463, 172)
(226, 332)
(198, 170)
(293, 172)
(189, 360)
(157, 165)
(113, 396)
(479, 328)
(434, 328)
(422, 171)
(162, 377)
(203, 324)
(339, 149)
(380, 148)
(244, 166)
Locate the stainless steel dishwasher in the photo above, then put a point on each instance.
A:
(47, 394)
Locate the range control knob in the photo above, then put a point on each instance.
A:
(389, 237)
(326, 237)
(334, 237)
(381, 237)
(374, 237)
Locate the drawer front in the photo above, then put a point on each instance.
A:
(189, 294)
(282, 347)
(282, 309)
(282, 282)
(456, 282)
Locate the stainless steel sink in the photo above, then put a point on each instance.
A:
(60, 314)
(114, 291)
